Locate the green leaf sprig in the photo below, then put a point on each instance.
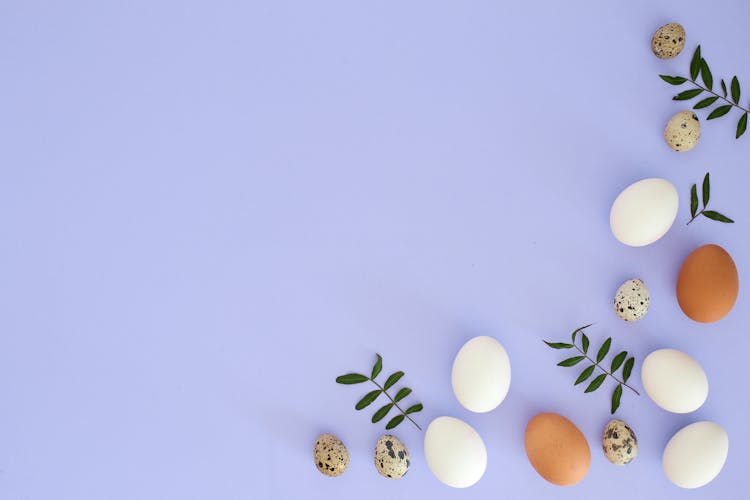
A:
(698, 65)
(620, 360)
(370, 397)
(706, 195)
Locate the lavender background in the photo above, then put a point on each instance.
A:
(209, 210)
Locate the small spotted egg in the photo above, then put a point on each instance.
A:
(668, 41)
(330, 454)
(619, 443)
(683, 131)
(391, 457)
(632, 300)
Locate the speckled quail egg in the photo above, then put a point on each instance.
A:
(632, 300)
(683, 131)
(619, 443)
(331, 456)
(391, 457)
(668, 41)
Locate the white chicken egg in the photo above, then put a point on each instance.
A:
(696, 454)
(674, 380)
(455, 452)
(481, 374)
(644, 212)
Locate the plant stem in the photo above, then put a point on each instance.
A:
(717, 95)
(695, 217)
(605, 371)
(396, 404)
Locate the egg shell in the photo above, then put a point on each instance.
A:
(674, 381)
(696, 454)
(330, 455)
(619, 443)
(481, 374)
(391, 457)
(643, 212)
(455, 452)
(632, 300)
(708, 284)
(683, 131)
(668, 41)
(557, 449)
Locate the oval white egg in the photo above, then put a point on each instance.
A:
(696, 454)
(455, 452)
(481, 374)
(644, 212)
(674, 380)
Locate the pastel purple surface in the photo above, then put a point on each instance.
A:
(209, 210)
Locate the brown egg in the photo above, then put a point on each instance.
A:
(557, 450)
(708, 284)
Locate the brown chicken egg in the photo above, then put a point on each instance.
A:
(707, 285)
(557, 449)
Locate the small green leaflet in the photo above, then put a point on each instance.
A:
(351, 378)
(596, 383)
(575, 332)
(673, 80)
(687, 94)
(708, 79)
(706, 188)
(718, 112)
(603, 350)
(627, 369)
(724, 88)
(394, 422)
(617, 361)
(559, 345)
(735, 88)
(693, 201)
(571, 361)
(704, 103)
(377, 367)
(405, 391)
(368, 399)
(392, 380)
(414, 408)
(741, 126)
(585, 374)
(616, 395)
(695, 63)
(382, 412)
(717, 216)
(585, 343)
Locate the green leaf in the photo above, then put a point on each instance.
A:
(405, 391)
(724, 88)
(414, 408)
(368, 399)
(735, 87)
(382, 412)
(673, 80)
(717, 216)
(741, 126)
(704, 103)
(377, 367)
(559, 345)
(394, 421)
(687, 94)
(720, 111)
(351, 378)
(393, 379)
(617, 361)
(616, 398)
(585, 343)
(706, 189)
(693, 200)
(708, 79)
(575, 332)
(695, 63)
(585, 374)
(627, 369)
(596, 383)
(571, 361)
(603, 350)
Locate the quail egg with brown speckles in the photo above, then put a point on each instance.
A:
(683, 131)
(619, 443)
(391, 457)
(330, 454)
(668, 41)
(632, 300)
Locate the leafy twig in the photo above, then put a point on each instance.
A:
(620, 360)
(698, 65)
(370, 397)
(711, 214)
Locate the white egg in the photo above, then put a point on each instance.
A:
(696, 454)
(481, 374)
(455, 452)
(674, 381)
(644, 212)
